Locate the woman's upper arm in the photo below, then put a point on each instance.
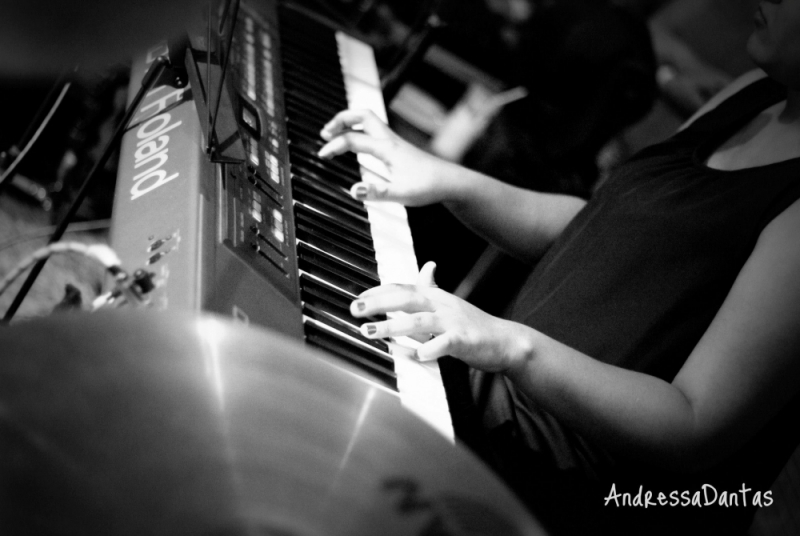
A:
(747, 364)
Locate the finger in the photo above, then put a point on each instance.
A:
(434, 294)
(408, 301)
(364, 191)
(402, 325)
(385, 289)
(349, 119)
(435, 348)
(425, 277)
(355, 142)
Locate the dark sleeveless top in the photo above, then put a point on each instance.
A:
(635, 281)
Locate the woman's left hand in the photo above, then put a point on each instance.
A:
(459, 329)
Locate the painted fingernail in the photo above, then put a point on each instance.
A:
(360, 192)
(371, 329)
(360, 305)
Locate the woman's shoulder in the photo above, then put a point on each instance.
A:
(731, 89)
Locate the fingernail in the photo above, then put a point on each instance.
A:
(360, 192)
(360, 305)
(324, 152)
(371, 329)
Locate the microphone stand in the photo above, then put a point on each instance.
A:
(392, 82)
(422, 35)
(153, 74)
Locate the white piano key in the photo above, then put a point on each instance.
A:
(420, 384)
(421, 388)
(358, 62)
(363, 87)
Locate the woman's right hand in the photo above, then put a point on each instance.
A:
(417, 178)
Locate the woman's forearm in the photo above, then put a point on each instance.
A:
(524, 223)
(629, 413)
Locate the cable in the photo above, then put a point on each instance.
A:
(44, 232)
(12, 168)
(98, 252)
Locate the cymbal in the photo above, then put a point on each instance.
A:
(144, 423)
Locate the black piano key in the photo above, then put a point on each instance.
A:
(309, 102)
(332, 166)
(347, 255)
(296, 81)
(334, 298)
(335, 83)
(303, 42)
(320, 222)
(344, 164)
(297, 143)
(334, 322)
(331, 215)
(311, 133)
(330, 197)
(344, 264)
(359, 279)
(322, 58)
(310, 119)
(371, 353)
(322, 65)
(316, 234)
(334, 295)
(305, 113)
(315, 173)
(295, 127)
(336, 193)
(307, 143)
(312, 266)
(302, 31)
(338, 278)
(307, 133)
(320, 94)
(299, 133)
(313, 95)
(303, 131)
(361, 358)
(319, 43)
(300, 36)
(302, 109)
(323, 313)
(305, 109)
(345, 215)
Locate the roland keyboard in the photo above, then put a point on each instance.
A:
(272, 236)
